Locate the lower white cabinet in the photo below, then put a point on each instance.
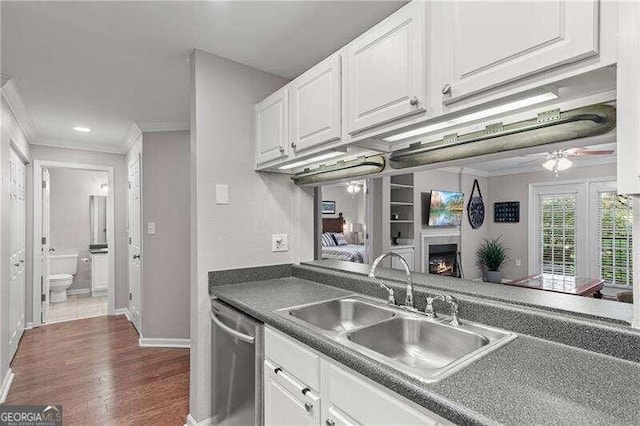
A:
(343, 397)
(407, 253)
(99, 272)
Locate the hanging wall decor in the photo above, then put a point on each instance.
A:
(475, 208)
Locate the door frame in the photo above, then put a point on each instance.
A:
(38, 165)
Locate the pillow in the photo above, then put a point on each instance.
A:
(340, 239)
(328, 241)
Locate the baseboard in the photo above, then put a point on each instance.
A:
(76, 291)
(193, 422)
(123, 311)
(155, 342)
(6, 384)
(29, 326)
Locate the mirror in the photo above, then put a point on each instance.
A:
(98, 211)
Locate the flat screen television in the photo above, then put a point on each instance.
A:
(442, 208)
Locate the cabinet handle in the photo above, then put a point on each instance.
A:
(308, 406)
(330, 422)
(281, 149)
(414, 101)
(16, 264)
(136, 256)
(293, 145)
(446, 89)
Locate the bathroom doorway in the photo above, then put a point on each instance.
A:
(73, 244)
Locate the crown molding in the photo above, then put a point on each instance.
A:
(164, 127)
(81, 146)
(609, 159)
(132, 135)
(11, 94)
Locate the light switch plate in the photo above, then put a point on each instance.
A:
(222, 194)
(279, 242)
(518, 262)
(151, 228)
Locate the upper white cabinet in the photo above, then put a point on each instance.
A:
(315, 105)
(486, 44)
(385, 70)
(271, 127)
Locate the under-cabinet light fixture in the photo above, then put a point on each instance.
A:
(311, 160)
(82, 129)
(499, 109)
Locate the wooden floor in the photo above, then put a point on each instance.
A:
(95, 369)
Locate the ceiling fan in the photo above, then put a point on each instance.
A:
(557, 161)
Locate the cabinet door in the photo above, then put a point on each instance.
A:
(315, 105)
(284, 404)
(99, 272)
(271, 128)
(385, 70)
(407, 255)
(491, 43)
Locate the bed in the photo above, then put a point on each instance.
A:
(349, 252)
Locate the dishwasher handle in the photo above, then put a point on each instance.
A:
(240, 336)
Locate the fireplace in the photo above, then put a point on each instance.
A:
(443, 259)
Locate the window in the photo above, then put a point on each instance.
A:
(615, 222)
(557, 233)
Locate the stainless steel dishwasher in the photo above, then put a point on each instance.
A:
(236, 367)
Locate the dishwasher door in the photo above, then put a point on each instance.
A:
(236, 367)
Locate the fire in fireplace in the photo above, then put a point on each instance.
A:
(443, 259)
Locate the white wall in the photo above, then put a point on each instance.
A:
(516, 188)
(223, 94)
(70, 219)
(165, 168)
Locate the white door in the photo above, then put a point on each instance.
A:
(315, 105)
(386, 70)
(17, 251)
(271, 128)
(134, 242)
(491, 43)
(46, 248)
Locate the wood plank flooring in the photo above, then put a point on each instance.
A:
(95, 369)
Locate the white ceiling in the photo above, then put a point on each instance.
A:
(108, 64)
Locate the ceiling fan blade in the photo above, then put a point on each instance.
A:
(585, 152)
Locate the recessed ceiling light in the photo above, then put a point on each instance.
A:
(82, 129)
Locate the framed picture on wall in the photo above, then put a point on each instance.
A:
(328, 207)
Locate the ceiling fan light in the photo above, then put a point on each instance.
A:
(564, 163)
(549, 164)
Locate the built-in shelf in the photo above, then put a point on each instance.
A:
(401, 221)
(400, 203)
(400, 186)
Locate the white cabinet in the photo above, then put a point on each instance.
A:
(271, 127)
(486, 44)
(407, 253)
(315, 105)
(284, 400)
(99, 272)
(385, 70)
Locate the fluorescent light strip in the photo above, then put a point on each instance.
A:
(311, 160)
(542, 97)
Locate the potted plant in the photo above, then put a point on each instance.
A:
(491, 256)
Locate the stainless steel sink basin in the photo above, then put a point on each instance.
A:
(425, 348)
(418, 343)
(341, 314)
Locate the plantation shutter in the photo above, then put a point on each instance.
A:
(615, 239)
(557, 219)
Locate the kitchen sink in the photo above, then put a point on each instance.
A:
(428, 349)
(341, 314)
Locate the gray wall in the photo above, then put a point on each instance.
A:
(39, 152)
(352, 207)
(516, 188)
(223, 95)
(165, 167)
(70, 218)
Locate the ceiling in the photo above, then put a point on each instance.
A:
(108, 64)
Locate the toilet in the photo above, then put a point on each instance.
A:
(62, 268)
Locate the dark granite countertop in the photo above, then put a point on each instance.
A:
(602, 310)
(528, 381)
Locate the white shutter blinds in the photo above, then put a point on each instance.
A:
(615, 221)
(557, 218)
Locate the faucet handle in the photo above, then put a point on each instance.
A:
(391, 298)
(429, 310)
(454, 309)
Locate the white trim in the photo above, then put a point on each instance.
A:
(6, 384)
(164, 127)
(123, 311)
(38, 165)
(193, 422)
(29, 326)
(133, 134)
(466, 171)
(11, 94)
(159, 342)
(84, 146)
(76, 291)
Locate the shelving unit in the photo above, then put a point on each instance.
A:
(401, 203)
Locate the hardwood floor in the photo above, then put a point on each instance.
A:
(95, 369)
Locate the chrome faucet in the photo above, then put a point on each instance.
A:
(372, 274)
(430, 311)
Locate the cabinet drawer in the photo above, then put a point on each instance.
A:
(285, 401)
(297, 361)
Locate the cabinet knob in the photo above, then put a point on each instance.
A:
(414, 101)
(330, 422)
(293, 145)
(281, 149)
(446, 89)
(308, 406)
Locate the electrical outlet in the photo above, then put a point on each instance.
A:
(279, 242)
(151, 228)
(518, 262)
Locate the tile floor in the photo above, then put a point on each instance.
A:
(77, 306)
